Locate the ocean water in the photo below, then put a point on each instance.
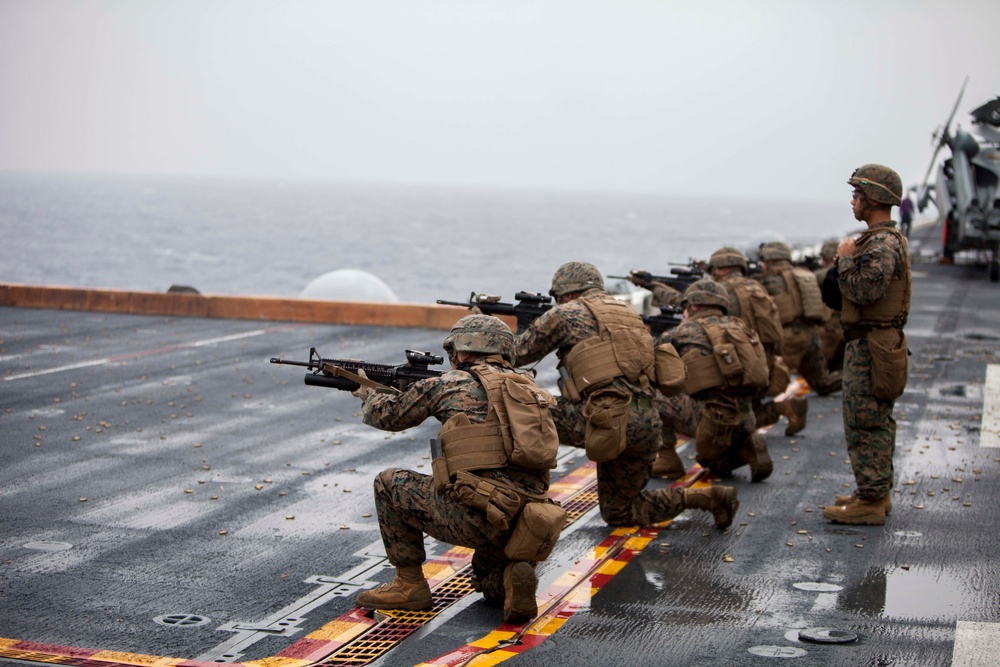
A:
(240, 237)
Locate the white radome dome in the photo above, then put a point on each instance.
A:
(349, 285)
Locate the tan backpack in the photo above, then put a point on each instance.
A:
(739, 356)
(758, 310)
(524, 412)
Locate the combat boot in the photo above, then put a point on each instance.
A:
(833, 383)
(668, 464)
(409, 590)
(844, 500)
(721, 501)
(754, 453)
(860, 512)
(794, 410)
(767, 413)
(519, 587)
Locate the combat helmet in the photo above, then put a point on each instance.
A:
(880, 184)
(575, 277)
(775, 250)
(481, 333)
(829, 249)
(728, 256)
(706, 292)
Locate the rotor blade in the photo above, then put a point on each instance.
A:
(930, 167)
(945, 134)
(947, 126)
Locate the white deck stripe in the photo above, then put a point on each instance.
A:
(989, 434)
(136, 355)
(976, 644)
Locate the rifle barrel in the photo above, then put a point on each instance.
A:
(288, 362)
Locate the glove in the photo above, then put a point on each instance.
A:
(640, 279)
(362, 391)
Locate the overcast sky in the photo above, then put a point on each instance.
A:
(762, 98)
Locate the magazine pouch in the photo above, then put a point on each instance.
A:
(713, 434)
(536, 532)
(606, 412)
(889, 362)
(670, 371)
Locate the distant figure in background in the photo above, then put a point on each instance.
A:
(906, 215)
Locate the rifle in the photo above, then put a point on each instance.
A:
(530, 305)
(343, 373)
(810, 262)
(681, 277)
(668, 318)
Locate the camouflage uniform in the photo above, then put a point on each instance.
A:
(620, 482)
(766, 413)
(868, 423)
(812, 364)
(408, 505)
(665, 295)
(686, 412)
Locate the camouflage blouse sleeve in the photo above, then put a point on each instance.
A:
(665, 295)
(684, 336)
(864, 277)
(440, 397)
(547, 333)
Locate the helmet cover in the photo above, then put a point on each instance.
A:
(575, 277)
(706, 292)
(879, 184)
(481, 333)
(728, 256)
(775, 250)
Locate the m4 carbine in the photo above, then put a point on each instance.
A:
(530, 305)
(681, 277)
(668, 318)
(343, 373)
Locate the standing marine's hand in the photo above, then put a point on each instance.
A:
(846, 247)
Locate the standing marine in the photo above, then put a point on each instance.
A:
(725, 367)
(800, 306)
(607, 376)
(492, 466)
(874, 281)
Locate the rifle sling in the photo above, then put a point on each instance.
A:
(340, 372)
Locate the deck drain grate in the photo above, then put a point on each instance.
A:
(182, 620)
(396, 625)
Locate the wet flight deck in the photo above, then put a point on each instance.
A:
(168, 497)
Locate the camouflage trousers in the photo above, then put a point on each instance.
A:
(868, 424)
(408, 506)
(809, 360)
(684, 414)
(831, 335)
(621, 481)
